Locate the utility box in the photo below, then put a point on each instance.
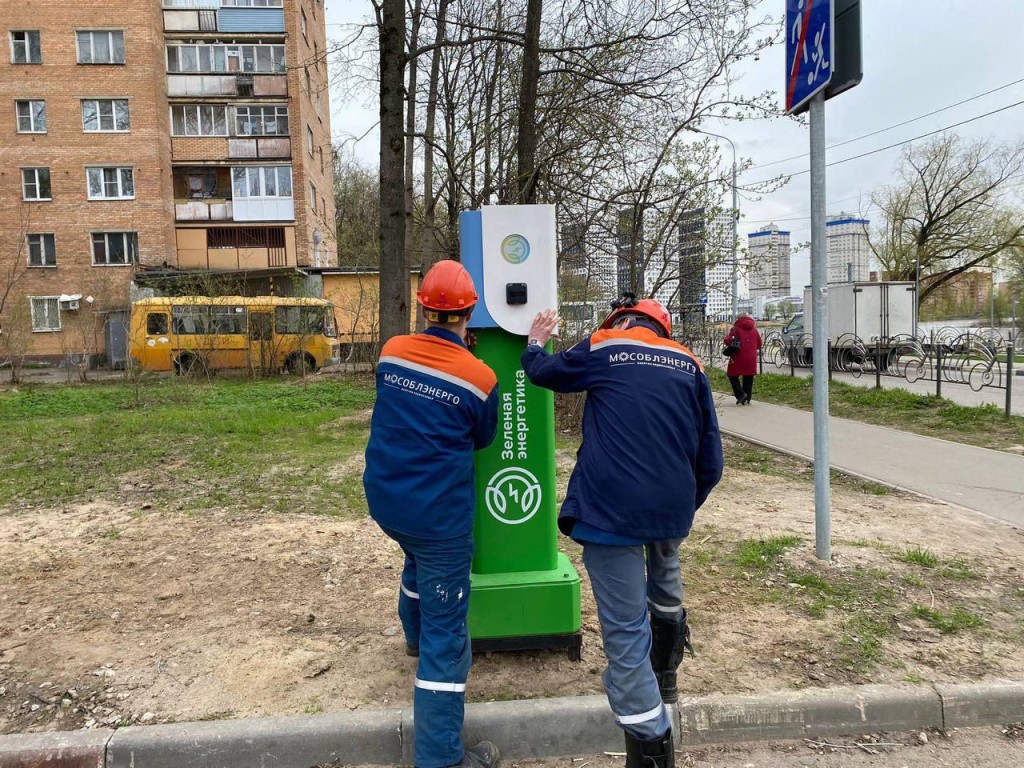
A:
(525, 593)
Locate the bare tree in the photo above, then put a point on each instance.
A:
(952, 209)
(394, 298)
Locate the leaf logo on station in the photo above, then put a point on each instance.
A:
(513, 495)
(515, 249)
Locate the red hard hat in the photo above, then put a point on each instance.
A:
(648, 308)
(447, 287)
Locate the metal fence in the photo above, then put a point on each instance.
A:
(978, 358)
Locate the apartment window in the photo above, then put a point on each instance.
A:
(199, 120)
(101, 47)
(111, 183)
(322, 167)
(261, 121)
(105, 115)
(41, 251)
(114, 248)
(302, 22)
(225, 58)
(26, 48)
(309, 140)
(309, 83)
(312, 196)
(253, 3)
(262, 181)
(45, 313)
(35, 184)
(31, 116)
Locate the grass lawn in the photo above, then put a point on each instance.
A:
(981, 425)
(250, 445)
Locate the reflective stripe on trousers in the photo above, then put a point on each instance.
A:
(433, 602)
(618, 576)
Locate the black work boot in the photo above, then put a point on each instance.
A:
(670, 640)
(653, 753)
(482, 755)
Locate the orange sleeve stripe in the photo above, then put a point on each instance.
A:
(442, 356)
(645, 336)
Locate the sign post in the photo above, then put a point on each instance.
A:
(525, 593)
(810, 48)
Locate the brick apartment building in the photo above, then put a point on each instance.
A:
(142, 141)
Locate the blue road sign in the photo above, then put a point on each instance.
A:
(810, 32)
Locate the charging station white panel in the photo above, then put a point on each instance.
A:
(519, 251)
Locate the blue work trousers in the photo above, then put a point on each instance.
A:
(433, 603)
(625, 584)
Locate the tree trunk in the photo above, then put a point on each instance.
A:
(429, 239)
(410, 148)
(526, 143)
(394, 299)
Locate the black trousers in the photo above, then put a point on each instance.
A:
(742, 391)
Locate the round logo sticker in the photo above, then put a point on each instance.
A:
(515, 249)
(513, 495)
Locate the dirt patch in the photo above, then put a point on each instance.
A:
(114, 613)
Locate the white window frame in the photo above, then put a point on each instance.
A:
(260, 171)
(312, 196)
(110, 33)
(52, 264)
(309, 139)
(198, 108)
(32, 308)
(302, 22)
(24, 186)
(131, 243)
(26, 45)
(113, 114)
(281, 112)
(32, 115)
(119, 181)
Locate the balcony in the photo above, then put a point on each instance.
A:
(209, 16)
(238, 85)
(205, 193)
(199, 148)
(236, 248)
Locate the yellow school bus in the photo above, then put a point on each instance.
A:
(185, 334)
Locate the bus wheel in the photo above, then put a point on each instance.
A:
(300, 364)
(188, 365)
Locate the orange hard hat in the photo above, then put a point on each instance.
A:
(649, 308)
(447, 287)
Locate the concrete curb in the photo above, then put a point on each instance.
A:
(539, 728)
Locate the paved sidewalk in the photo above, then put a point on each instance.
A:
(986, 481)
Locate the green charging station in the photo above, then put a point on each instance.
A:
(525, 593)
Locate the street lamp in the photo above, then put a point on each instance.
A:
(735, 216)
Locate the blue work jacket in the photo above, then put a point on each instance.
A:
(651, 450)
(436, 405)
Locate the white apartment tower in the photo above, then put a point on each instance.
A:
(849, 255)
(768, 254)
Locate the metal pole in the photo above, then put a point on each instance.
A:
(917, 289)
(878, 363)
(819, 321)
(992, 300)
(1009, 380)
(938, 369)
(735, 216)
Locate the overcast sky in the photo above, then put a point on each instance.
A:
(919, 56)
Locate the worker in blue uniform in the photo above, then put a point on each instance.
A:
(651, 454)
(436, 405)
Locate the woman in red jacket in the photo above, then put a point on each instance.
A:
(743, 364)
